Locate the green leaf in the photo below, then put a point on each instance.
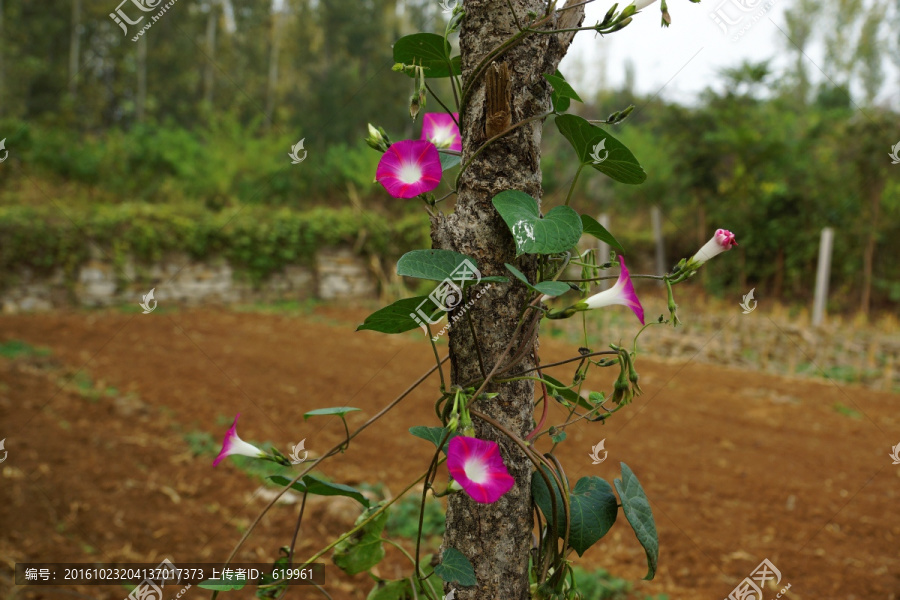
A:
(397, 317)
(619, 164)
(569, 396)
(559, 437)
(364, 549)
(637, 511)
(456, 568)
(274, 590)
(433, 435)
(448, 161)
(222, 585)
(592, 227)
(593, 508)
(319, 487)
(550, 288)
(558, 231)
(562, 92)
(427, 50)
(333, 410)
(436, 265)
(401, 589)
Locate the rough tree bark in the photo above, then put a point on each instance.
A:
(496, 538)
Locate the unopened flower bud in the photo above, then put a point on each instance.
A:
(378, 139)
(720, 242)
(666, 18)
(621, 25)
(414, 106)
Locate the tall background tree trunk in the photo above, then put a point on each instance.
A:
(874, 191)
(75, 47)
(141, 100)
(496, 538)
(209, 75)
(2, 65)
(274, 51)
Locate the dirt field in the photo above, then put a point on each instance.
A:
(738, 466)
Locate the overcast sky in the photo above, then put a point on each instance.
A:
(681, 61)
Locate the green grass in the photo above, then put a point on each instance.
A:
(847, 411)
(19, 349)
(134, 308)
(201, 442)
(287, 307)
(600, 585)
(88, 390)
(403, 520)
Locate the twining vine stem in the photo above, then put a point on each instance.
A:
(334, 450)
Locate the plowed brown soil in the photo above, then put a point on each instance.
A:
(738, 466)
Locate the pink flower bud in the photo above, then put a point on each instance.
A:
(723, 240)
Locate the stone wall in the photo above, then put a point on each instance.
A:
(338, 273)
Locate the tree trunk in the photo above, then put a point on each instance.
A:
(209, 76)
(74, 46)
(141, 102)
(275, 50)
(778, 285)
(496, 538)
(875, 190)
(2, 65)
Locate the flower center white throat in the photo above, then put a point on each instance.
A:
(476, 471)
(410, 173)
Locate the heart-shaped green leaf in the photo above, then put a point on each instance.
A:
(401, 589)
(597, 148)
(562, 92)
(433, 435)
(427, 50)
(311, 484)
(593, 508)
(592, 227)
(558, 231)
(398, 317)
(448, 161)
(364, 549)
(438, 265)
(637, 511)
(456, 568)
(550, 288)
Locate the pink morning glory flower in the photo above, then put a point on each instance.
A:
(723, 240)
(409, 168)
(235, 445)
(621, 293)
(440, 129)
(478, 467)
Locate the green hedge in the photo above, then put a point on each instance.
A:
(254, 239)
